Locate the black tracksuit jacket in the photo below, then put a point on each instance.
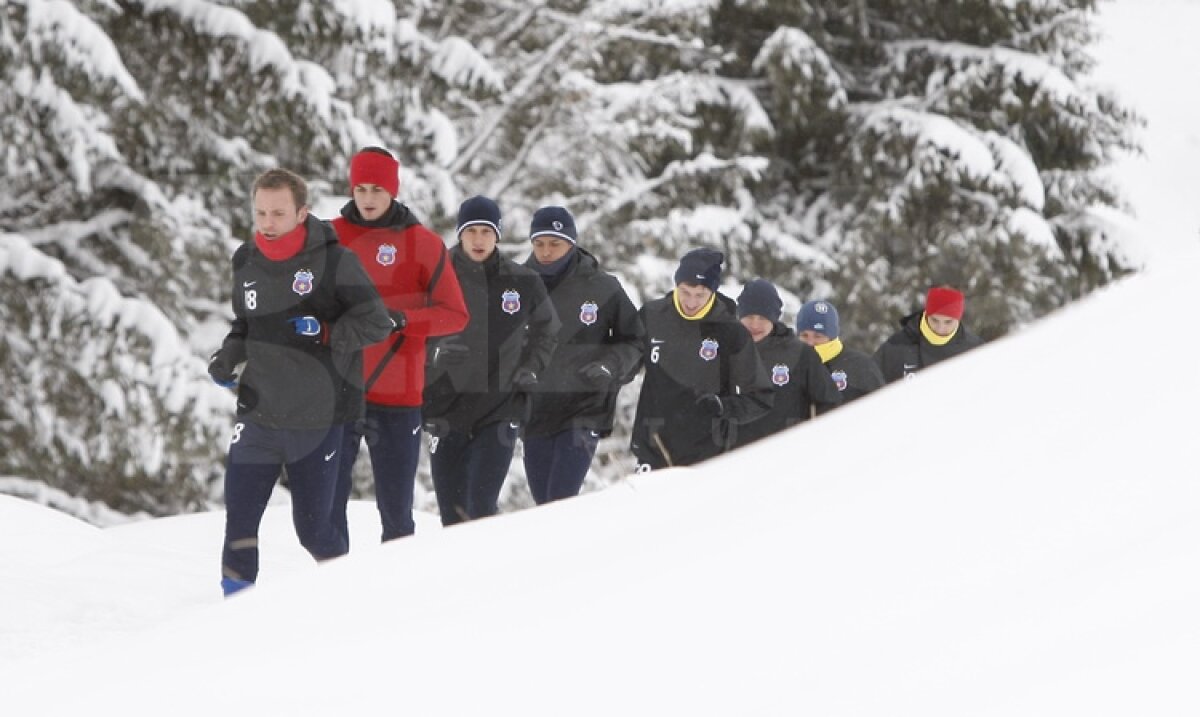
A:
(800, 382)
(684, 361)
(513, 326)
(907, 352)
(598, 324)
(291, 382)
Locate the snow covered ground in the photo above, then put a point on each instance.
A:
(1016, 532)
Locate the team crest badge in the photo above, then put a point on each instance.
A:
(780, 375)
(510, 301)
(708, 349)
(839, 377)
(589, 311)
(303, 282)
(386, 255)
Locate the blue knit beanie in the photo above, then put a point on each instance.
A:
(760, 297)
(553, 221)
(479, 210)
(818, 316)
(701, 267)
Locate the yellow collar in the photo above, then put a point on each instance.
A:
(829, 350)
(700, 314)
(933, 338)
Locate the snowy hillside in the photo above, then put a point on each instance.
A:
(1013, 533)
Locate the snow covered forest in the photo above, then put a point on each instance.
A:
(856, 150)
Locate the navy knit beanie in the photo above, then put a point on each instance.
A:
(760, 297)
(553, 221)
(479, 210)
(701, 267)
(818, 316)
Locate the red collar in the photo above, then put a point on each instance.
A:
(284, 247)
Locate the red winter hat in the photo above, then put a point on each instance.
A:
(375, 166)
(945, 301)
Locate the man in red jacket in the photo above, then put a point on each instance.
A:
(408, 264)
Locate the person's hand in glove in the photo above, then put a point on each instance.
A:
(309, 329)
(596, 374)
(221, 371)
(524, 380)
(450, 353)
(710, 405)
(399, 319)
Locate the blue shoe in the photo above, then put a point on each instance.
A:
(230, 586)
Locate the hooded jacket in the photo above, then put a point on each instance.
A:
(802, 386)
(410, 267)
(598, 323)
(513, 326)
(854, 373)
(907, 351)
(684, 361)
(289, 381)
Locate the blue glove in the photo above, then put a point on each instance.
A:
(308, 329)
(221, 372)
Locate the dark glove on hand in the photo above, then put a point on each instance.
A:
(450, 354)
(524, 379)
(596, 374)
(308, 329)
(221, 372)
(710, 405)
(399, 319)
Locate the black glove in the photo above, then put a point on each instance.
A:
(710, 405)
(308, 329)
(450, 353)
(221, 371)
(524, 379)
(399, 319)
(596, 374)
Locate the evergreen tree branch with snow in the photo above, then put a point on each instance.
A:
(858, 151)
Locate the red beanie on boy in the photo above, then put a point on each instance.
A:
(369, 167)
(945, 301)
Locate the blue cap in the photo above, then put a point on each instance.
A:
(818, 316)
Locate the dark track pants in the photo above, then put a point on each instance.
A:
(394, 443)
(469, 471)
(556, 465)
(255, 457)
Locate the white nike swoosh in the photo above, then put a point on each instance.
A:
(658, 341)
(248, 284)
(416, 430)
(331, 455)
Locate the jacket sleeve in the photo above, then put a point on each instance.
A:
(542, 330)
(445, 310)
(623, 352)
(233, 347)
(364, 319)
(747, 394)
(885, 359)
(822, 391)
